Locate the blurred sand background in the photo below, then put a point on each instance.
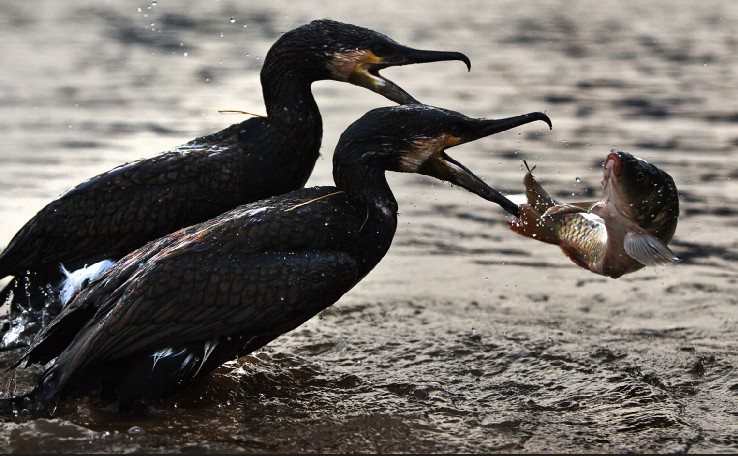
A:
(466, 337)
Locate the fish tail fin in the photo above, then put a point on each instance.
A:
(534, 225)
(537, 196)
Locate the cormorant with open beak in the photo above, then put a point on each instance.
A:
(182, 305)
(118, 211)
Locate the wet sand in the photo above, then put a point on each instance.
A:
(466, 337)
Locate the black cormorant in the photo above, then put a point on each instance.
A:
(118, 211)
(183, 304)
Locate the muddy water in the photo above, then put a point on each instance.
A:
(466, 338)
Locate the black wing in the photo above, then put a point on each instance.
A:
(199, 296)
(120, 210)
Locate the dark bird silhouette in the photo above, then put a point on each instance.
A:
(180, 306)
(118, 211)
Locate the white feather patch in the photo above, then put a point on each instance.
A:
(168, 352)
(209, 347)
(163, 354)
(258, 210)
(74, 281)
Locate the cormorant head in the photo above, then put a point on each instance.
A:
(327, 49)
(414, 139)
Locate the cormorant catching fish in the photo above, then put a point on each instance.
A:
(182, 305)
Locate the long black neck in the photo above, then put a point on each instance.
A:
(359, 170)
(287, 95)
(294, 128)
(363, 177)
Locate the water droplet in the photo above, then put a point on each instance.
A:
(578, 179)
(186, 54)
(233, 21)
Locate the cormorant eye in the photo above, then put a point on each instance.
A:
(378, 49)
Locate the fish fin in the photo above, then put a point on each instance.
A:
(648, 250)
(537, 196)
(530, 224)
(569, 208)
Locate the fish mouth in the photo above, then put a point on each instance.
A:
(612, 170)
(613, 165)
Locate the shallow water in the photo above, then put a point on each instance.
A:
(466, 337)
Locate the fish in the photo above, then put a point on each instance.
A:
(628, 229)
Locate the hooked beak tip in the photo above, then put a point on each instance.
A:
(546, 119)
(460, 57)
(466, 60)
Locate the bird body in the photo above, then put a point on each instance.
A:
(259, 270)
(180, 306)
(118, 211)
